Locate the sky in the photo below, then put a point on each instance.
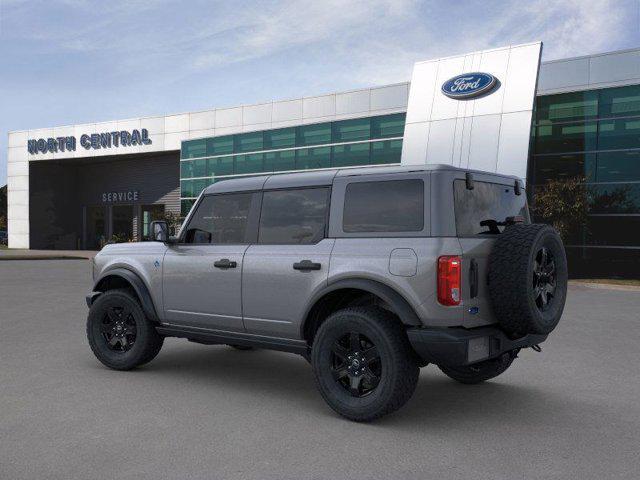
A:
(65, 62)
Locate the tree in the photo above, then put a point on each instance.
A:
(563, 203)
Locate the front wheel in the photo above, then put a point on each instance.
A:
(363, 364)
(119, 333)
(482, 371)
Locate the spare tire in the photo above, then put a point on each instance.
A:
(527, 276)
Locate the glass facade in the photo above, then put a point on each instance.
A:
(362, 141)
(594, 135)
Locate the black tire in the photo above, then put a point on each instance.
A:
(528, 295)
(139, 346)
(480, 372)
(389, 372)
(240, 347)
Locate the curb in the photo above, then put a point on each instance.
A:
(606, 286)
(6, 258)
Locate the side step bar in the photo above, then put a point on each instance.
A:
(216, 337)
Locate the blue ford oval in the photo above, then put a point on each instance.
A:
(469, 85)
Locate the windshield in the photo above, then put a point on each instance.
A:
(487, 202)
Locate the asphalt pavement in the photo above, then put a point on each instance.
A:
(211, 412)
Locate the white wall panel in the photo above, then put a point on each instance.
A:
(202, 120)
(441, 141)
(287, 111)
(614, 67)
(494, 62)
(176, 123)
(414, 145)
(18, 240)
(520, 83)
(253, 114)
(352, 102)
(154, 125)
(562, 74)
(422, 92)
(483, 143)
(17, 168)
(17, 154)
(392, 96)
(18, 139)
(173, 141)
(314, 107)
(514, 143)
(228, 117)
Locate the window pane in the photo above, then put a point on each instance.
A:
(388, 126)
(220, 166)
(313, 158)
(348, 155)
(252, 163)
(487, 201)
(186, 169)
(620, 102)
(613, 230)
(352, 130)
(391, 206)
(198, 186)
(617, 198)
(186, 188)
(194, 148)
(280, 161)
(248, 142)
(185, 206)
(566, 138)
(220, 145)
(280, 138)
(618, 167)
(193, 168)
(566, 107)
(294, 216)
(220, 219)
(388, 151)
(619, 134)
(313, 134)
(557, 167)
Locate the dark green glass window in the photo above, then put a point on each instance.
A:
(620, 102)
(350, 155)
(185, 206)
(252, 163)
(186, 169)
(388, 151)
(280, 138)
(615, 134)
(186, 188)
(220, 145)
(615, 198)
(198, 186)
(618, 166)
(308, 158)
(573, 137)
(220, 166)
(248, 142)
(387, 126)
(194, 148)
(554, 167)
(352, 130)
(193, 168)
(280, 161)
(566, 107)
(313, 134)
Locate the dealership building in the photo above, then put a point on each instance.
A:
(79, 186)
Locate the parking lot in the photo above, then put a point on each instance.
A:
(572, 411)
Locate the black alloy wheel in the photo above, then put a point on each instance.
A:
(544, 279)
(356, 364)
(119, 328)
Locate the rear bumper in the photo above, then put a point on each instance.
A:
(459, 346)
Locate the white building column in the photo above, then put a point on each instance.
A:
(18, 190)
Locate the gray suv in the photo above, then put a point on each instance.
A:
(369, 273)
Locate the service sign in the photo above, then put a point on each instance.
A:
(93, 141)
(469, 85)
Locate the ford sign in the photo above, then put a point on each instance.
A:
(469, 85)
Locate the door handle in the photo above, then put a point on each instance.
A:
(473, 278)
(225, 263)
(306, 265)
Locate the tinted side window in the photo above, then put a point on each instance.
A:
(388, 206)
(294, 216)
(220, 219)
(487, 201)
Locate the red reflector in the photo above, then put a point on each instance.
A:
(449, 280)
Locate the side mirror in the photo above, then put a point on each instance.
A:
(159, 231)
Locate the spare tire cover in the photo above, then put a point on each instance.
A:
(527, 278)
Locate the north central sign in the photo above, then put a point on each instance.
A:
(93, 141)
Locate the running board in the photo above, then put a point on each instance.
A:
(216, 337)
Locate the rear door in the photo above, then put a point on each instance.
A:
(290, 261)
(485, 201)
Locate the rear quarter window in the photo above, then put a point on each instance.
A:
(384, 206)
(487, 201)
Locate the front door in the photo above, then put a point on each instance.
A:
(289, 263)
(202, 274)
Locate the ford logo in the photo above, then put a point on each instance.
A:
(469, 85)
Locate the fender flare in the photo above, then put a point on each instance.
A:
(136, 283)
(396, 301)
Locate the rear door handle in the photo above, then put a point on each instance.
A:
(473, 278)
(305, 265)
(225, 263)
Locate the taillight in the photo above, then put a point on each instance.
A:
(449, 280)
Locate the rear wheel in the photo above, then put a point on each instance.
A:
(363, 364)
(119, 333)
(480, 372)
